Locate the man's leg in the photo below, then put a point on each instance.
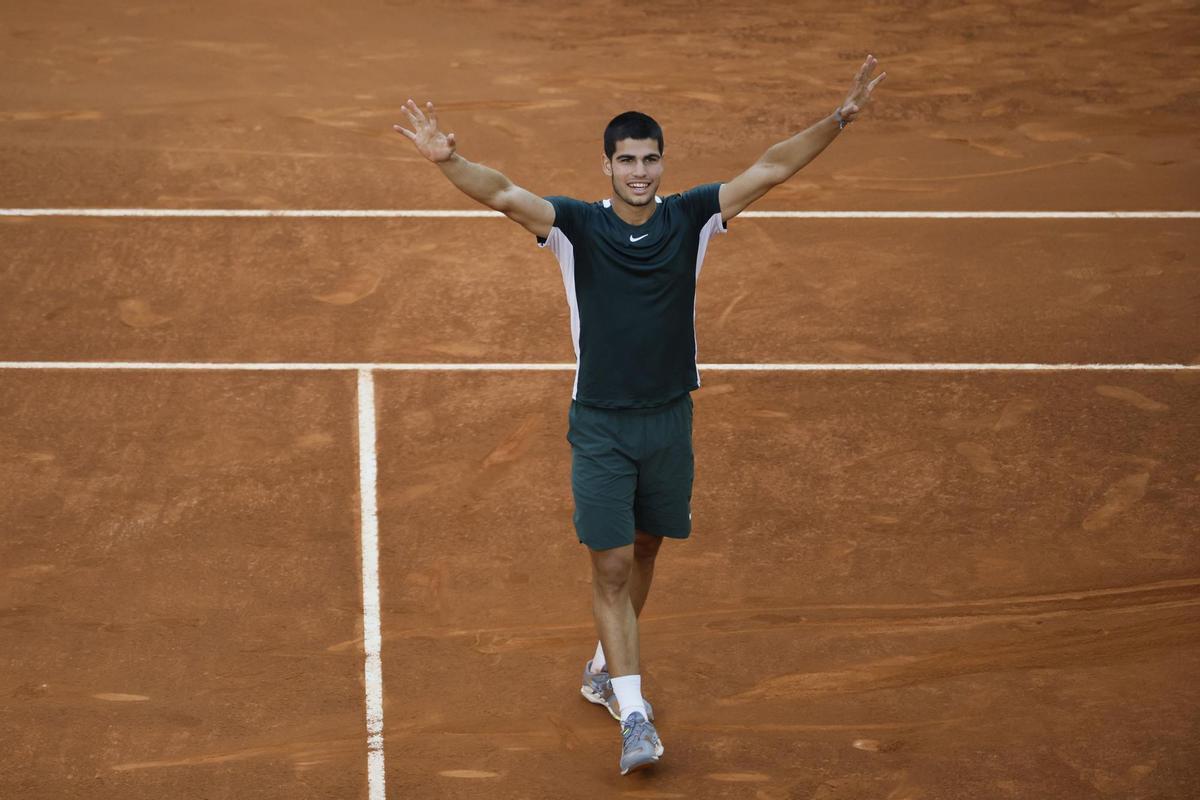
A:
(612, 607)
(645, 549)
(612, 578)
(616, 622)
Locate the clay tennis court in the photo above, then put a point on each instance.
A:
(285, 499)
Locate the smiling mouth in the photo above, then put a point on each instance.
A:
(640, 187)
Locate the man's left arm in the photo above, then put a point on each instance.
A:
(785, 159)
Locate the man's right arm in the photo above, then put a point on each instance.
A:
(494, 190)
(478, 182)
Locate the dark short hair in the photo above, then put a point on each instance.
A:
(631, 125)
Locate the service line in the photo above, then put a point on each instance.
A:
(386, 213)
(369, 530)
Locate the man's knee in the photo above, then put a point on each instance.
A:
(645, 546)
(611, 568)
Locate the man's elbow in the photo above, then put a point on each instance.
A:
(501, 201)
(771, 175)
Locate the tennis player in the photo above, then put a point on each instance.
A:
(629, 264)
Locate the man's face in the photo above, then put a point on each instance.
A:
(636, 169)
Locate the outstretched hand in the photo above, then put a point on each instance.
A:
(860, 91)
(430, 142)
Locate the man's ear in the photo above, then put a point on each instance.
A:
(606, 165)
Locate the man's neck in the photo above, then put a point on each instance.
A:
(633, 215)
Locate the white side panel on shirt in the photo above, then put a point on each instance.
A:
(714, 225)
(564, 251)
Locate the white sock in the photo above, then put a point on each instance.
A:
(628, 689)
(598, 662)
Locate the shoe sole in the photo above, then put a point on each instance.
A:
(594, 697)
(658, 751)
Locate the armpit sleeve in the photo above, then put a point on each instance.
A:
(701, 203)
(568, 217)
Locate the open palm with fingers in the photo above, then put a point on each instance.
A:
(860, 91)
(430, 142)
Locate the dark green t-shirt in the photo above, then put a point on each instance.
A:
(632, 294)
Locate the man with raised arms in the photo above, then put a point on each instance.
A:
(629, 265)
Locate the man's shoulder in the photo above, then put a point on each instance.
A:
(697, 203)
(699, 189)
(572, 202)
(572, 216)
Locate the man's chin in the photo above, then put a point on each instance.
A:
(635, 200)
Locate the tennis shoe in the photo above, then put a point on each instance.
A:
(597, 688)
(640, 745)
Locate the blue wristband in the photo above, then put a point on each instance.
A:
(842, 123)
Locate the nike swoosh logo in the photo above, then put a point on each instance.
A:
(638, 239)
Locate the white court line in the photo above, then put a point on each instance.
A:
(470, 213)
(547, 367)
(368, 468)
(372, 639)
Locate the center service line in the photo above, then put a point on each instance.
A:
(372, 640)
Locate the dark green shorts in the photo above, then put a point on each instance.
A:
(631, 469)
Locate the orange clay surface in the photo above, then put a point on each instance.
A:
(900, 585)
